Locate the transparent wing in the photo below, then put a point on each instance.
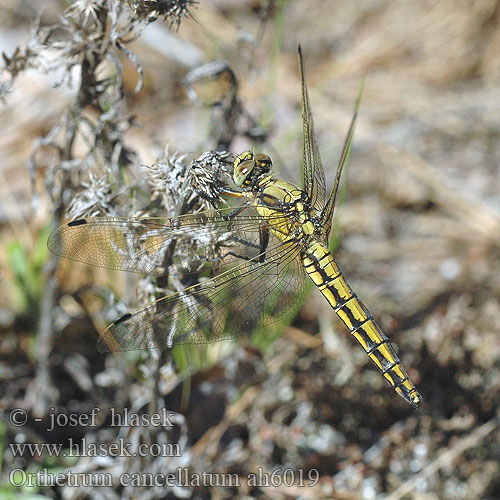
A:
(327, 214)
(238, 301)
(160, 246)
(314, 175)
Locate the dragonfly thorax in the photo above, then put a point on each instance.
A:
(249, 167)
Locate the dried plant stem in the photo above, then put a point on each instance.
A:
(41, 393)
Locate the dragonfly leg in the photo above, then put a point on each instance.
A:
(235, 212)
(264, 241)
(231, 192)
(261, 247)
(263, 236)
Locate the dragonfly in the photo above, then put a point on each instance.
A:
(249, 265)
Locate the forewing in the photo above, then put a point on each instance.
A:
(157, 246)
(327, 213)
(238, 301)
(314, 175)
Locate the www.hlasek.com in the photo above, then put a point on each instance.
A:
(85, 448)
(182, 476)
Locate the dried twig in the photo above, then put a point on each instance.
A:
(446, 458)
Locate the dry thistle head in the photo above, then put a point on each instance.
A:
(97, 198)
(151, 10)
(209, 173)
(186, 187)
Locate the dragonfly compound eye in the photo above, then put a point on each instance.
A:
(262, 160)
(246, 155)
(263, 163)
(242, 172)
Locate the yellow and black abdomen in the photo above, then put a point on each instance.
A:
(325, 273)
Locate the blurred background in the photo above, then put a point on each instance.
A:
(417, 229)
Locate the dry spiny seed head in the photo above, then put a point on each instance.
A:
(97, 198)
(209, 172)
(150, 10)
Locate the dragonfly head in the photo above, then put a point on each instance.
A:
(248, 166)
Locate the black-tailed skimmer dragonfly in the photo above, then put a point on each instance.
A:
(263, 250)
